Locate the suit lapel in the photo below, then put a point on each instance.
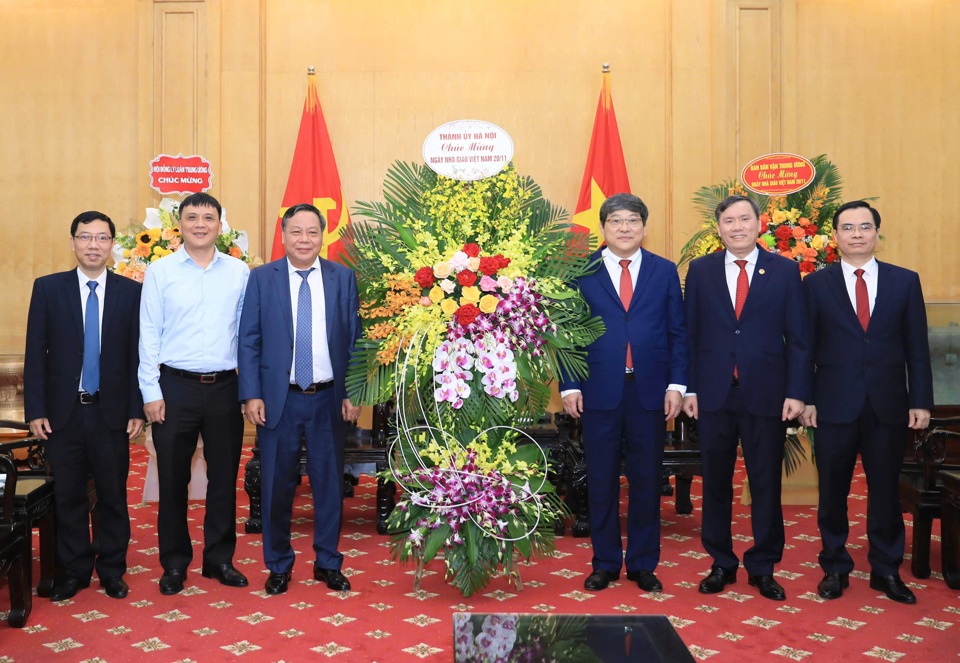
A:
(838, 287)
(112, 296)
(646, 269)
(329, 294)
(603, 277)
(71, 290)
(757, 283)
(281, 280)
(717, 271)
(884, 294)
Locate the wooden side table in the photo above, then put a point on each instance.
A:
(950, 528)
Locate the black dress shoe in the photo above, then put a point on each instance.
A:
(717, 580)
(832, 585)
(893, 587)
(115, 587)
(599, 579)
(646, 580)
(66, 588)
(225, 573)
(277, 583)
(334, 579)
(769, 588)
(171, 582)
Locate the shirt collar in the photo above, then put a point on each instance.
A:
(292, 270)
(848, 270)
(183, 256)
(751, 258)
(84, 279)
(610, 255)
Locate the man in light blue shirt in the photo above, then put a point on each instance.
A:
(189, 313)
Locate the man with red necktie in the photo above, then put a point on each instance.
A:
(637, 379)
(868, 330)
(749, 375)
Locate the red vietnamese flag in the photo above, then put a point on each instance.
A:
(606, 171)
(314, 177)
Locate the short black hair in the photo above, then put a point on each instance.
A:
(623, 201)
(88, 217)
(733, 200)
(302, 207)
(201, 200)
(854, 204)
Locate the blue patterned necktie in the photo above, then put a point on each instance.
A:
(91, 342)
(303, 364)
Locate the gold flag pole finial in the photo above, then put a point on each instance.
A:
(606, 67)
(605, 90)
(311, 72)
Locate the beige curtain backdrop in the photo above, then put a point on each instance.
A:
(93, 89)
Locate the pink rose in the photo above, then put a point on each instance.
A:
(425, 301)
(487, 284)
(505, 283)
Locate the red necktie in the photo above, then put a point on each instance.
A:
(626, 294)
(863, 300)
(743, 286)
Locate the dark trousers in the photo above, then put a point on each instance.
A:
(86, 446)
(193, 409)
(762, 440)
(318, 417)
(881, 448)
(630, 436)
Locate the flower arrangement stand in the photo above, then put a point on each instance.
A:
(514, 575)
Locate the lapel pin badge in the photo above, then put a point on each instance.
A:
(762, 271)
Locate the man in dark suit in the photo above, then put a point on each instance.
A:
(80, 395)
(299, 324)
(749, 375)
(873, 381)
(638, 373)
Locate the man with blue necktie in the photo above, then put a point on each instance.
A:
(873, 381)
(189, 316)
(638, 372)
(80, 395)
(299, 325)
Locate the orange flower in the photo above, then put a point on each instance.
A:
(803, 221)
(799, 233)
(236, 252)
(810, 254)
(787, 254)
(142, 250)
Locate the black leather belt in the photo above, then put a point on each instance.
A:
(314, 388)
(630, 377)
(86, 399)
(205, 378)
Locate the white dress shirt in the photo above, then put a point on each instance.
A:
(869, 277)
(611, 262)
(322, 366)
(84, 294)
(732, 271)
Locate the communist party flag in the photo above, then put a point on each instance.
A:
(314, 177)
(606, 172)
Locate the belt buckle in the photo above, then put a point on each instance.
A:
(85, 398)
(312, 389)
(208, 378)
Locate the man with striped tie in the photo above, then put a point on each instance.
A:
(85, 403)
(299, 325)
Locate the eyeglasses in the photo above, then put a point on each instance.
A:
(86, 238)
(632, 222)
(863, 227)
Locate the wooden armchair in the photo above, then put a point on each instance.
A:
(15, 549)
(921, 493)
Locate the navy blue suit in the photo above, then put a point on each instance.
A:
(86, 439)
(623, 420)
(265, 356)
(769, 349)
(864, 386)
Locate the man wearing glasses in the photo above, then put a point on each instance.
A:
(873, 381)
(85, 402)
(638, 374)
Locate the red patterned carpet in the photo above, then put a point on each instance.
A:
(382, 619)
